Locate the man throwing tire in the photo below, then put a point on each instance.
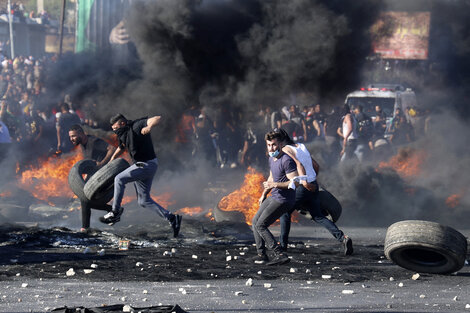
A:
(135, 137)
(99, 151)
(282, 170)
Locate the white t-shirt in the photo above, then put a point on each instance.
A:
(302, 154)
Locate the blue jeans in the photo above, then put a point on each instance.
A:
(309, 200)
(269, 211)
(141, 174)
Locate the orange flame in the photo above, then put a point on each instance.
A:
(50, 178)
(191, 211)
(210, 215)
(246, 198)
(453, 200)
(407, 163)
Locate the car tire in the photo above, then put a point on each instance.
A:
(425, 247)
(76, 180)
(100, 185)
(329, 205)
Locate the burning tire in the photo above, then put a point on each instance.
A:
(228, 216)
(77, 181)
(329, 205)
(102, 182)
(425, 247)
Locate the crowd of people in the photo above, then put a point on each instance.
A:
(224, 136)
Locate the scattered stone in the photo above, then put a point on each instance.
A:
(242, 253)
(456, 298)
(145, 299)
(70, 272)
(94, 265)
(365, 286)
(228, 258)
(24, 285)
(347, 292)
(267, 285)
(88, 271)
(422, 296)
(86, 250)
(123, 298)
(347, 283)
(235, 257)
(389, 306)
(189, 270)
(127, 308)
(317, 262)
(259, 262)
(184, 291)
(101, 252)
(13, 260)
(391, 279)
(18, 275)
(243, 301)
(293, 270)
(335, 268)
(415, 276)
(138, 264)
(249, 282)
(259, 272)
(238, 293)
(165, 253)
(292, 301)
(393, 296)
(400, 285)
(208, 285)
(308, 271)
(145, 291)
(309, 282)
(194, 256)
(210, 252)
(173, 250)
(326, 276)
(467, 306)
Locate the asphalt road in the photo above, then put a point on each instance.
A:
(364, 282)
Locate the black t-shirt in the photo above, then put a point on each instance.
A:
(94, 149)
(140, 146)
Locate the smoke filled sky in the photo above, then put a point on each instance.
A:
(236, 54)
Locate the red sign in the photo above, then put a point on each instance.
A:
(402, 35)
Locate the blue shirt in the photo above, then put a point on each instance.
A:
(279, 169)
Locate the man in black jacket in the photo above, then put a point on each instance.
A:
(135, 137)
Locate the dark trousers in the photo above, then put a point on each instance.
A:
(269, 211)
(308, 200)
(86, 211)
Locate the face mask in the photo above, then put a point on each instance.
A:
(274, 154)
(121, 131)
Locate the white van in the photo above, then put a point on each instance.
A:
(388, 96)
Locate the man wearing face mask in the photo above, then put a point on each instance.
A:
(134, 136)
(282, 170)
(95, 149)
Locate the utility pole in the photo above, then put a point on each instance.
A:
(10, 22)
(61, 31)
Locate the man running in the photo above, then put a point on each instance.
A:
(135, 137)
(282, 170)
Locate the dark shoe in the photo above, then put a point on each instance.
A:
(112, 217)
(279, 259)
(347, 246)
(175, 222)
(260, 258)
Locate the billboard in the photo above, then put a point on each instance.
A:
(402, 35)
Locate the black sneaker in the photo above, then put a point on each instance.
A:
(175, 223)
(279, 259)
(260, 258)
(112, 217)
(347, 246)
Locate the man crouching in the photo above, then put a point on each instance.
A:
(282, 170)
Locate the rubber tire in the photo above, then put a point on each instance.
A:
(330, 206)
(76, 181)
(102, 182)
(228, 216)
(425, 247)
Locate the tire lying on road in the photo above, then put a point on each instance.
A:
(102, 182)
(329, 205)
(425, 247)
